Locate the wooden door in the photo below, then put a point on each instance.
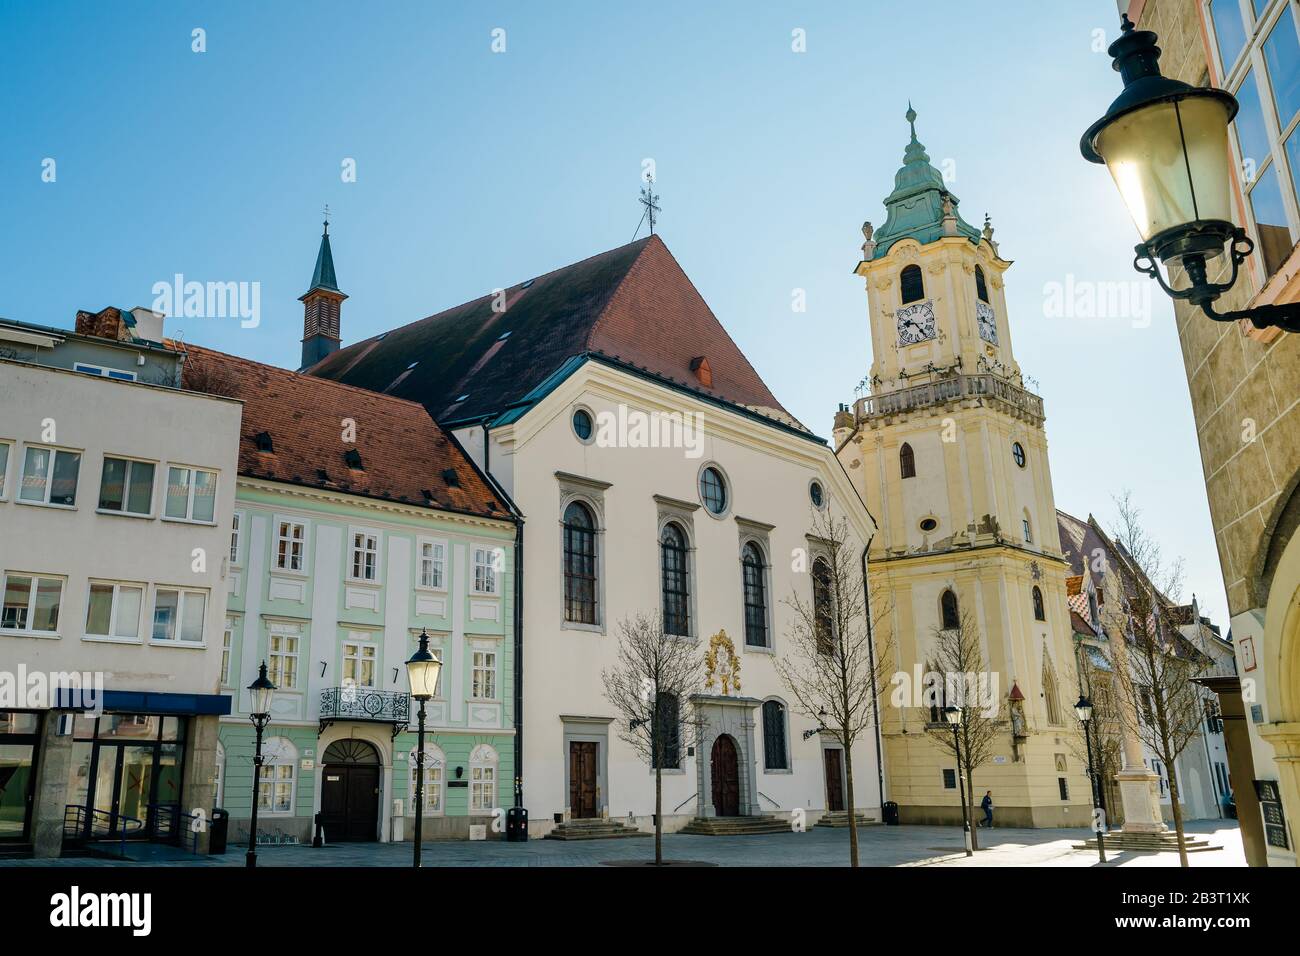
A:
(725, 769)
(834, 779)
(582, 779)
(349, 804)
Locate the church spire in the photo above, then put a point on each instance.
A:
(920, 207)
(321, 305)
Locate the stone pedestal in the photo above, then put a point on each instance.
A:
(1139, 792)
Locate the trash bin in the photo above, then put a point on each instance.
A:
(218, 831)
(890, 810)
(517, 825)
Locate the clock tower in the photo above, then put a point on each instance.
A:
(948, 450)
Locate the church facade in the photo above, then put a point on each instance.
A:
(655, 473)
(949, 450)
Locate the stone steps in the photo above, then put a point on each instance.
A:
(594, 829)
(840, 818)
(736, 826)
(1149, 843)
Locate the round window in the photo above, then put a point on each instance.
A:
(815, 493)
(582, 425)
(713, 491)
(928, 524)
(1018, 453)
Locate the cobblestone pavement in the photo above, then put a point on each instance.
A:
(879, 846)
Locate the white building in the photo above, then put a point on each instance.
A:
(115, 507)
(558, 387)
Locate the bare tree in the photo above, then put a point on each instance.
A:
(1164, 707)
(833, 672)
(958, 659)
(203, 372)
(650, 687)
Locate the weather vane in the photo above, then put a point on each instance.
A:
(327, 217)
(650, 200)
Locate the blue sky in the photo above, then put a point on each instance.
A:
(477, 169)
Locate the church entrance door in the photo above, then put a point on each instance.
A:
(725, 770)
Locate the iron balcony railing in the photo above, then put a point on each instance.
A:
(365, 703)
(955, 388)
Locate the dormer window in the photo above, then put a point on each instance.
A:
(981, 287)
(700, 366)
(264, 443)
(450, 478)
(353, 459)
(911, 284)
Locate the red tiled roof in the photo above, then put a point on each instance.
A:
(633, 304)
(404, 453)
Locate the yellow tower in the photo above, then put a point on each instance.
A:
(948, 450)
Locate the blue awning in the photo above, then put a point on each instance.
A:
(150, 702)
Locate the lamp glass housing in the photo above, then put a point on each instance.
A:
(952, 715)
(1083, 709)
(262, 691)
(422, 672)
(1164, 185)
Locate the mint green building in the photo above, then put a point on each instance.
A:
(358, 525)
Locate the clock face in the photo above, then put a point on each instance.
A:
(987, 323)
(915, 323)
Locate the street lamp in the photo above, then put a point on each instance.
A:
(953, 716)
(1083, 710)
(1165, 143)
(262, 690)
(422, 674)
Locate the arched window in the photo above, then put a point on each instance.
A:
(751, 564)
(579, 564)
(948, 611)
(907, 461)
(277, 785)
(774, 750)
(823, 606)
(482, 779)
(1049, 693)
(676, 580)
(1094, 617)
(981, 287)
(911, 284)
(1039, 613)
(434, 765)
(665, 734)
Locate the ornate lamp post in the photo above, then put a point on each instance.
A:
(1083, 710)
(953, 716)
(1165, 143)
(262, 690)
(422, 674)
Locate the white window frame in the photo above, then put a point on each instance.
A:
(1231, 76)
(485, 558)
(279, 752)
(275, 658)
(488, 670)
(227, 649)
(435, 762)
(189, 495)
(36, 577)
(438, 563)
(353, 650)
(126, 486)
(236, 537)
(293, 523)
(354, 550)
(112, 611)
(55, 451)
(184, 595)
(9, 456)
(103, 371)
(483, 779)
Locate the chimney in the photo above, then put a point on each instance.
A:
(321, 304)
(148, 324)
(108, 323)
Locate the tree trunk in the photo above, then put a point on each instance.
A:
(853, 817)
(659, 814)
(1178, 814)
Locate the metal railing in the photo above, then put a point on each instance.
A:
(365, 703)
(81, 825)
(984, 385)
